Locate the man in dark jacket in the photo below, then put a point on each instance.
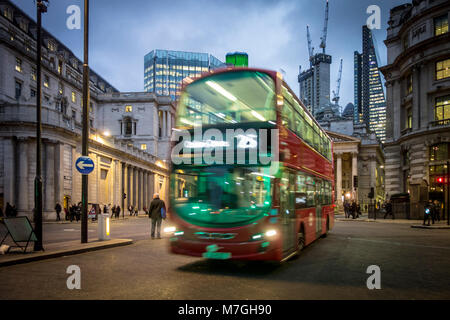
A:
(155, 214)
(58, 209)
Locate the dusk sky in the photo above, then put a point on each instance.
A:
(273, 33)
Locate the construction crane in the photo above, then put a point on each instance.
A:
(336, 93)
(310, 48)
(323, 39)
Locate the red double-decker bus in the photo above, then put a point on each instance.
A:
(242, 209)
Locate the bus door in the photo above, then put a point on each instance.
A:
(318, 203)
(287, 208)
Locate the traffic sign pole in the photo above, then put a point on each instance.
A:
(85, 136)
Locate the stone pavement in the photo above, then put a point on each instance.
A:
(414, 223)
(59, 249)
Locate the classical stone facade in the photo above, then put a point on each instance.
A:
(357, 152)
(418, 100)
(128, 137)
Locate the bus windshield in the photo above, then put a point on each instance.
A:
(221, 195)
(229, 97)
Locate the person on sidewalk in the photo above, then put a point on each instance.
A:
(58, 211)
(437, 211)
(353, 209)
(113, 211)
(388, 208)
(130, 209)
(428, 212)
(117, 212)
(155, 214)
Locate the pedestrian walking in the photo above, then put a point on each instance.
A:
(353, 209)
(130, 209)
(388, 207)
(113, 212)
(155, 214)
(437, 211)
(117, 212)
(346, 209)
(428, 213)
(105, 209)
(136, 212)
(8, 210)
(58, 211)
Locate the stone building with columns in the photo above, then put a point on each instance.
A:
(130, 159)
(356, 152)
(418, 101)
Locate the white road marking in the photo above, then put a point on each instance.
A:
(69, 229)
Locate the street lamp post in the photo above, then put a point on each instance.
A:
(41, 7)
(85, 134)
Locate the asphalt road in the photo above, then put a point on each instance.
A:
(414, 263)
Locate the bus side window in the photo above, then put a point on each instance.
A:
(310, 192)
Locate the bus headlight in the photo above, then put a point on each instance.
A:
(271, 233)
(169, 229)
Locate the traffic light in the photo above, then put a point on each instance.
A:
(440, 180)
(355, 181)
(124, 195)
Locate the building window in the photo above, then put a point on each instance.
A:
(409, 86)
(74, 97)
(441, 25)
(46, 81)
(18, 65)
(59, 66)
(442, 108)
(128, 108)
(128, 125)
(409, 118)
(32, 93)
(443, 69)
(51, 46)
(33, 73)
(143, 146)
(47, 99)
(440, 152)
(7, 13)
(23, 25)
(18, 90)
(60, 88)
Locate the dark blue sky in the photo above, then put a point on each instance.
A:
(273, 33)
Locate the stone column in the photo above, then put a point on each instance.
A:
(130, 186)
(151, 186)
(140, 191)
(145, 190)
(124, 188)
(135, 189)
(9, 175)
(22, 195)
(339, 179)
(59, 173)
(49, 182)
(164, 128)
(169, 123)
(354, 173)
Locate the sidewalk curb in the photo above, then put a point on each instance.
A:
(430, 227)
(92, 246)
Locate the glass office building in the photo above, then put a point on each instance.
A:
(370, 103)
(164, 70)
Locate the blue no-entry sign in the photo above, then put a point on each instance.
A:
(84, 165)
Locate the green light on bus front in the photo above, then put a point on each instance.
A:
(265, 244)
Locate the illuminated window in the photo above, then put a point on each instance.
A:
(441, 25)
(33, 73)
(409, 84)
(143, 146)
(74, 97)
(46, 81)
(440, 152)
(59, 66)
(443, 69)
(7, 13)
(18, 65)
(51, 46)
(128, 108)
(442, 108)
(409, 118)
